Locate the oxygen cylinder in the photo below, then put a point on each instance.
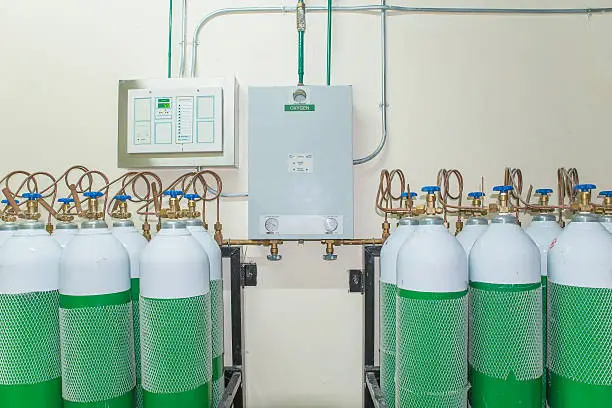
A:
(580, 311)
(65, 229)
(431, 336)
(543, 231)
(30, 370)
(475, 225)
(211, 247)
(123, 229)
(387, 294)
(175, 325)
(505, 357)
(8, 228)
(96, 332)
(606, 217)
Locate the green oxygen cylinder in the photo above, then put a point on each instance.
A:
(431, 315)
(175, 325)
(96, 325)
(580, 311)
(505, 358)
(30, 371)
(388, 293)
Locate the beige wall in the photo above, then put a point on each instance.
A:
(473, 92)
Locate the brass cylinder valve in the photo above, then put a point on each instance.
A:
(93, 206)
(31, 212)
(606, 205)
(174, 209)
(63, 215)
(121, 210)
(583, 201)
(543, 196)
(476, 197)
(503, 205)
(191, 212)
(8, 214)
(430, 207)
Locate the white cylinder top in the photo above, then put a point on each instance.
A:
(29, 262)
(134, 243)
(582, 256)
(64, 236)
(470, 234)
(390, 250)
(543, 233)
(174, 265)
(504, 254)
(432, 260)
(211, 248)
(94, 263)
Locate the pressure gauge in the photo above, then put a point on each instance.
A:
(271, 224)
(331, 224)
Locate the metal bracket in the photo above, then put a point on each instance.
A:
(249, 274)
(356, 281)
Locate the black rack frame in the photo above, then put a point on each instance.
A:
(234, 395)
(373, 397)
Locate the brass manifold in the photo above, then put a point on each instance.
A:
(273, 244)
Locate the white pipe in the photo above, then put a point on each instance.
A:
(383, 88)
(182, 62)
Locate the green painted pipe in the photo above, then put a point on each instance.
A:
(170, 40)
(329, 40)
(300, 57)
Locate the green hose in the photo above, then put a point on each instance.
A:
(329, 40)
(300, 57)
(170, 41)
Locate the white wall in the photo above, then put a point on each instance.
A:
(473, 92)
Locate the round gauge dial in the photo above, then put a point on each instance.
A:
(271, 224)
(331, 224)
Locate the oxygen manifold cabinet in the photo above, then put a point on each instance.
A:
(300, 162)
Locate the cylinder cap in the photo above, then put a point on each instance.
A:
(476, 194)
(430, 189)
(66, 200)
(123, 197)
(544, 191)
(5, 201)
(192, 196)
(585, 187)
(93, 194)
(503, 189)
(606, 193)
(173, 193)
(31, 196)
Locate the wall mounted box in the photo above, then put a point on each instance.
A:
(300, 162)
(178, 122)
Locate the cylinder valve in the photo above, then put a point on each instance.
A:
(430, 197)
(93, 211)
(31, 212)
(191, 211)
(503, 205)
(8, 214)
(606, 205)
(583, 200)
(63, 215)
(174, 209)
(121, 210)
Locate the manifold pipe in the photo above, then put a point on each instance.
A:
(383, 8)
